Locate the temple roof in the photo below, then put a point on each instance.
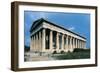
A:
(41, 20)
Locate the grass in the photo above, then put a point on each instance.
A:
(76, 54)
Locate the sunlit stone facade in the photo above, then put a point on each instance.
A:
(49, 37)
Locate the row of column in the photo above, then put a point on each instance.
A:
(36, 42)
(69, 43)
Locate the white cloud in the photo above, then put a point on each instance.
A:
(71, 28)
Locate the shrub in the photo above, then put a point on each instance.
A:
(81, 50)
(77, 54)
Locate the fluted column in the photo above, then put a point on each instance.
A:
(57, 41)
(33, 42)
(78, 44)
(36, 42)
(66, 43)
(70, 42)
(82, 44)
(51, 40)
(73, 43)
(62, 41)
(31, 46)
(40, 40)
(43, 39)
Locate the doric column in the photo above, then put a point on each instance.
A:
(33, 42)
(78, 44)
(70, 42)
(51, 40)
(62, 41)
(73, 43)
(57, 41)
(43, 39)
(81, 44)
(40, 40)
(36, 41)
(31, 46)
(66, 43)
(70, 49)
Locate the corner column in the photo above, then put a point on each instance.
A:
(31, 44)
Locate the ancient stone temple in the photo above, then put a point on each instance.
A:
(49, 37)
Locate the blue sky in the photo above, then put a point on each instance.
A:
(76, 22)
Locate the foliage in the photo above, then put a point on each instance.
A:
(76, 54)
